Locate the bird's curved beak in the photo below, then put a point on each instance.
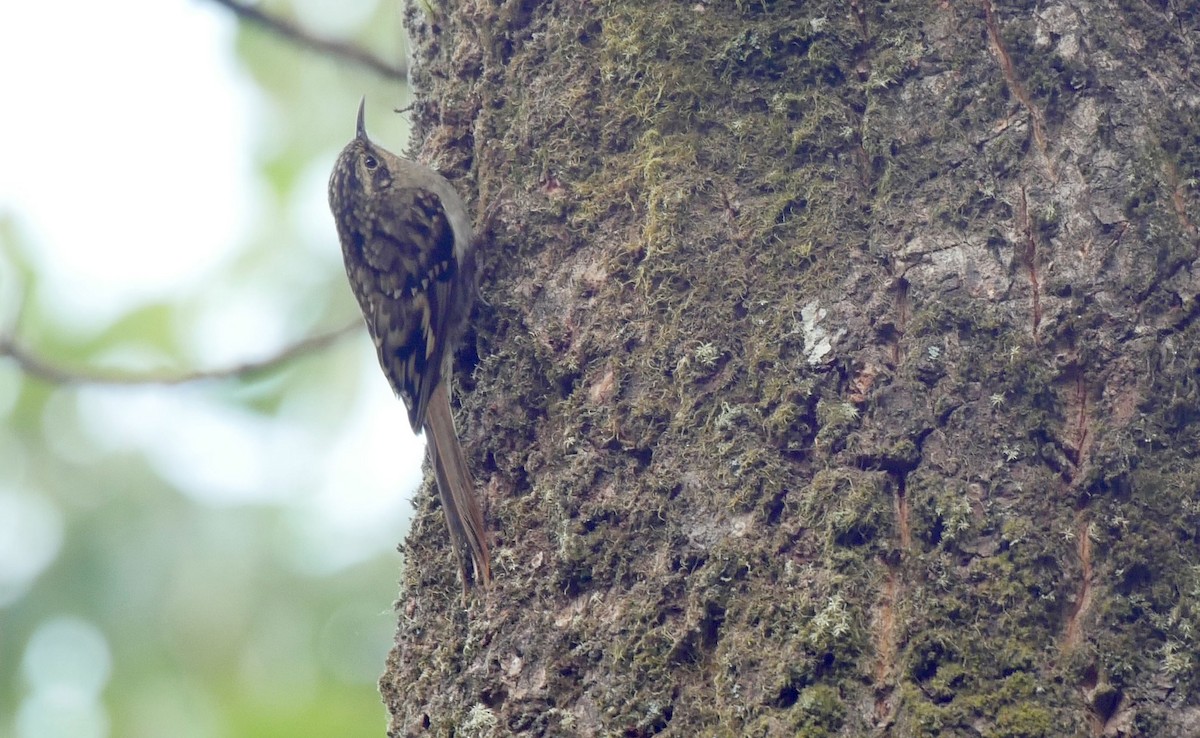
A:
(362, 126)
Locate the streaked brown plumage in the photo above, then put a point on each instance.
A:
(407, 243)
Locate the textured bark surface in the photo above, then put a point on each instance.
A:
(838, 372)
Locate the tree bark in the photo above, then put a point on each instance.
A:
(837, 371)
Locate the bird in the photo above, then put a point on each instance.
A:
(409, 253)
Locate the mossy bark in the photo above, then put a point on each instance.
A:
(837, 371)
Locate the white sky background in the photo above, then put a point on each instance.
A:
(126, 150)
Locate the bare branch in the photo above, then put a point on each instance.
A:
(36, 366)
(298, 35)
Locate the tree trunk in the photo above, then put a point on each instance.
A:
(836, 372)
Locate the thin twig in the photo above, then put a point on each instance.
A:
(36, 366)
(298, 35)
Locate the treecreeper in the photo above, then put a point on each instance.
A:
(409, 252)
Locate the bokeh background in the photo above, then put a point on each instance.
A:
(215, 558)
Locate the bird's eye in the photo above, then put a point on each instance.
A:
(371, 162)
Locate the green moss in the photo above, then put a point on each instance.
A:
(835, 420)
(1023, 721)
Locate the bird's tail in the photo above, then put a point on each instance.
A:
(464, 517)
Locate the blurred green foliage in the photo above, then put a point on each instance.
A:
(205, 617)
